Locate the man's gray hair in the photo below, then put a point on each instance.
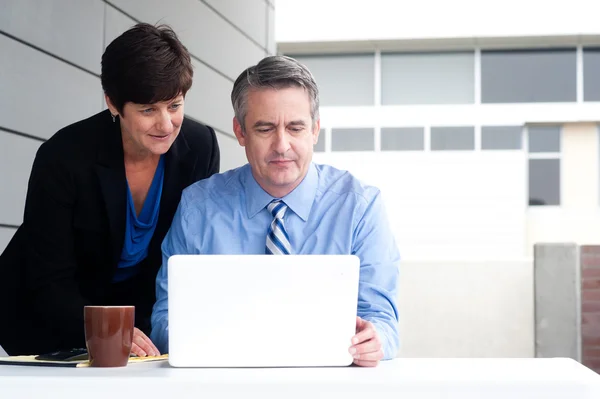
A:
(274, 72)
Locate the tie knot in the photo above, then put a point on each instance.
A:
(277, 209)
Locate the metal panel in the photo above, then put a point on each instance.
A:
(69, 29)
(41, 94)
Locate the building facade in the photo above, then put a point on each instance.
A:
(481, 132)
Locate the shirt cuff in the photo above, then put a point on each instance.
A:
(389, 345)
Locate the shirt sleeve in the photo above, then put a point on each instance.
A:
(379, 257)
(173, 243)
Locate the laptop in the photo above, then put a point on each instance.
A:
(262, 310)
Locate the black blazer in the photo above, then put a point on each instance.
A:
(65, 253)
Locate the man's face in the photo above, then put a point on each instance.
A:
(279, 137)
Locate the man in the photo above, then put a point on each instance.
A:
(282, 203)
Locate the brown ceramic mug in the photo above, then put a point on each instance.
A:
(108, 334)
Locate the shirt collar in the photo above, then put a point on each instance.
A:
(300, 200)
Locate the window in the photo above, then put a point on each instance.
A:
(402, 139)
(361, 139)
(428, 78)
(591, 74)
(544, 146)
(453, 138)
(544, 139)
(519, 76)
(343, 80)
(544, 182)
(501, 137)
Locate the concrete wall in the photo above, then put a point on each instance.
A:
(466, 309)
(448, 205)
(50, 66)
(567, 302)
(557, 300)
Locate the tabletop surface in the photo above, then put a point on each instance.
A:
(560, 377)
(397, 370)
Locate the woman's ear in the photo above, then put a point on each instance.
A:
(113, 110)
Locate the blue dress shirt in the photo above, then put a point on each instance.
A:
(140, 229)
(330, 212)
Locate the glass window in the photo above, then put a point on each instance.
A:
(402, 139)
(501, 137)
(591, 74)
(543, 138)
(343, 80)
(544, 182)
(320, 146)
(518, 76)
(428, 78)
(453, 138)
(359, 139)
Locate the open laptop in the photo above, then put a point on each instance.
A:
(262, 310)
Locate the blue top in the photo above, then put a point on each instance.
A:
(140, 229)
(330, 212)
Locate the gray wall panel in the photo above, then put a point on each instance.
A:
(232, 154)
(205, 34)
(70, 29)
(271, 43)
(16, 157)
(41, 93)
(5, 236)
(115, 23)
(249, 16)
(208, 100)
(45, 94)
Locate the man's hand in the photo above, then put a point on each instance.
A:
(142, 345)
(366, 346)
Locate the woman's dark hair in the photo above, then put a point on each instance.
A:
(145, 65)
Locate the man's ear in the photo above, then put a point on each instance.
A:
(316, 131)
(239, 132)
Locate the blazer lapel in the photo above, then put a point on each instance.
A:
(110, 169)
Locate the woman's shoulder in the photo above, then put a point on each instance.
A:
(197, 134)
(76, 140)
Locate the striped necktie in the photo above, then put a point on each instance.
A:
(278, 241)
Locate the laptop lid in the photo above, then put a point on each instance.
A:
(262, 310)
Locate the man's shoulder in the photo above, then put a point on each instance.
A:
(342, 182)
(215, 187)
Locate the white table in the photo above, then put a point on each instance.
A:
(400, 378)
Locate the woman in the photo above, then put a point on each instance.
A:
(101, 197)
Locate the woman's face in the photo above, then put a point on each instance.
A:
(150, 128)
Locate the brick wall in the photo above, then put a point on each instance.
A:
(590, 306)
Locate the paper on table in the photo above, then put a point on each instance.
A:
(30, 360)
